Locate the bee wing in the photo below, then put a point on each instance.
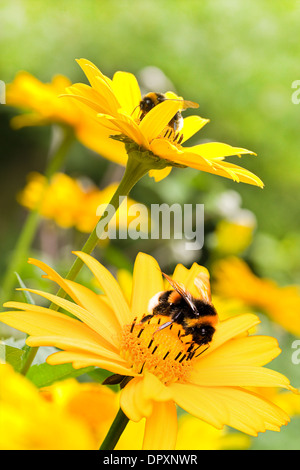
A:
(189, 104)
(184, 103)
(203, 285)
(183, 292)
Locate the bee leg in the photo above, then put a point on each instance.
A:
(146, 318)
(180, 139)
(165, 325)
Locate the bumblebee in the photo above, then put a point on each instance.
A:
(153, 99)
(197, 317)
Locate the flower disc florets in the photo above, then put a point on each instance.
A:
(165, 352)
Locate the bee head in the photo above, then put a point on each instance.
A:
(203, 333)
(150, 100)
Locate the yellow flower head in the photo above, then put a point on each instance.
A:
(71, 202)
(234, 279)
(158, 367)
(92, 404)
(40, 101)
(29, 422)
(116, 105)
(41, 105)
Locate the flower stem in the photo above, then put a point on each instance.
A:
(115, 431)
(29, 229)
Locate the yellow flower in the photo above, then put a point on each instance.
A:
(42, 106)
(233, 237)
(194, 434)
(93, 404)
(155, 366)
(71, 202)
(29, 422)
(41, 101)
(114, 105)
(234, 279)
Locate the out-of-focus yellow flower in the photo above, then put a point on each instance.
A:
(115, 105)
(289, 402)
(40, 101)
(234, 279)
(232, 237)
(159, 369)
(93, 404)
(71, 202)
(194, 434)
(41, 105)
(29, 422)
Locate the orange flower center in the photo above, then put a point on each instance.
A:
(165, 352)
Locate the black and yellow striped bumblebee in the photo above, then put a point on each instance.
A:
(196, 316)
(153, 99)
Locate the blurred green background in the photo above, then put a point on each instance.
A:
(237, 59)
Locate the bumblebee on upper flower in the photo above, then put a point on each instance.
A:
(152, 126)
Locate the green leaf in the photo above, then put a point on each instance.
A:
(45, 374)
(13, 356)
(27, 295)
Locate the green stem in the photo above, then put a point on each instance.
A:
(30, 354)
(133, 173)
(115, 431)
(29, 229)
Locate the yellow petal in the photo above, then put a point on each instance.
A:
(192, 124)
(235, 407)
(138, 397)
(94, 136)
(199, 402)
(189, 282)
(72, 344)
(36, 320)
(250, 412)
(164, 149)
(83, 296)
(185, 156)
(158, 118)
(127, 126)
(147, 281)
(101, 84)
(110, 287)
(80, 359)
(238, 376)
(225, 169)
(40, 321)
(92, 72)
(217, 150)
(161, 427)
(88, 96)
(180, 273)
(97, 305)
(231, 327)
(249, 350)
(89, 318)
(159, 175)
(127, 91)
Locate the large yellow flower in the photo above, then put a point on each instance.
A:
(114, 105)
(155, 366)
